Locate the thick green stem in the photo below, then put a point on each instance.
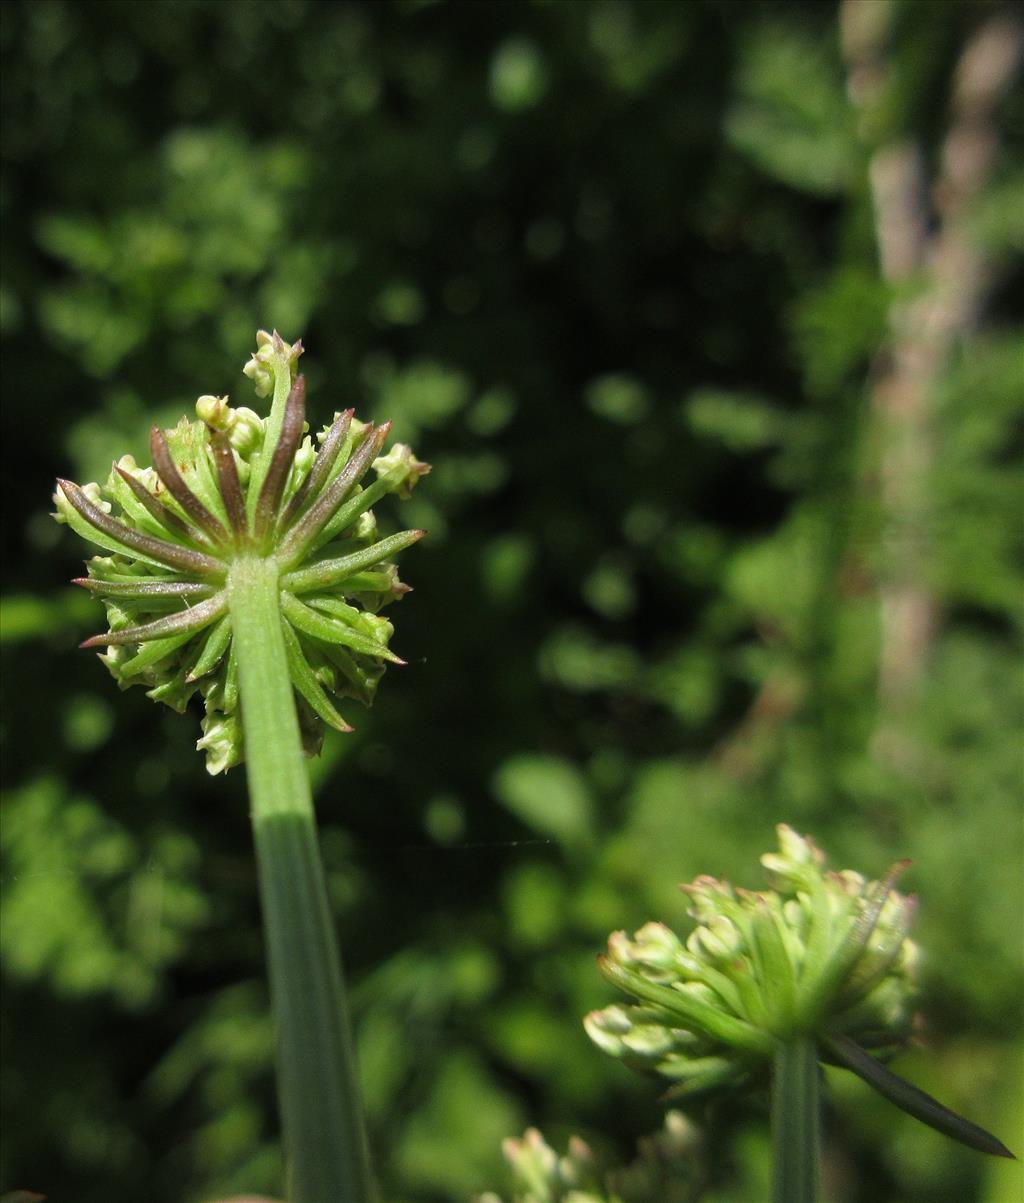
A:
(324, 1139)
(796, 1120)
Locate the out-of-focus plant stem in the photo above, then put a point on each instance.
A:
(796, 1121)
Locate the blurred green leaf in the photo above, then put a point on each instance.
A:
(518, 76)
(27, 616)
(741, 422)
(791, 116)
(619, 399)
(549, 795)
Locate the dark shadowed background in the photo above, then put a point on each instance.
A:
(709, 316)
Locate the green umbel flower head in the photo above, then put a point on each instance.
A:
(820, 954)
(666, 1169)
(539, 1175)
(234, 483)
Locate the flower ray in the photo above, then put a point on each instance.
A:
(192, 619)
(156, 509)
(230, 485)
(168, 472)
(301, 536)
(157, 551)
(322, 465)
(281, 460)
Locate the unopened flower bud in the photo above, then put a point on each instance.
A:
(261, 374)
(95, 494)
(401, 469)
(301, 465)
(607, 1028)
(272, 355)
(797, 861)
(718, 938)
(221, 741)
(365, 528)
(214, 411)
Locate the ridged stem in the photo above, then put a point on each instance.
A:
(796, 1119)
(324, 1138)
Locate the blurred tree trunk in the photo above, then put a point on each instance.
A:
(939, 277)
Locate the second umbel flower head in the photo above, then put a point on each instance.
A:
(820, 953)
(233, 483)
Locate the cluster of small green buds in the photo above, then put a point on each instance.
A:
(229, 484)
(539, 1175)
(666, 1169)
(820, 954)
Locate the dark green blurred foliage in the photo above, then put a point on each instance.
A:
(611, 267)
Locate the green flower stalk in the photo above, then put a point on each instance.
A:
(245, 567)
(820, 967)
